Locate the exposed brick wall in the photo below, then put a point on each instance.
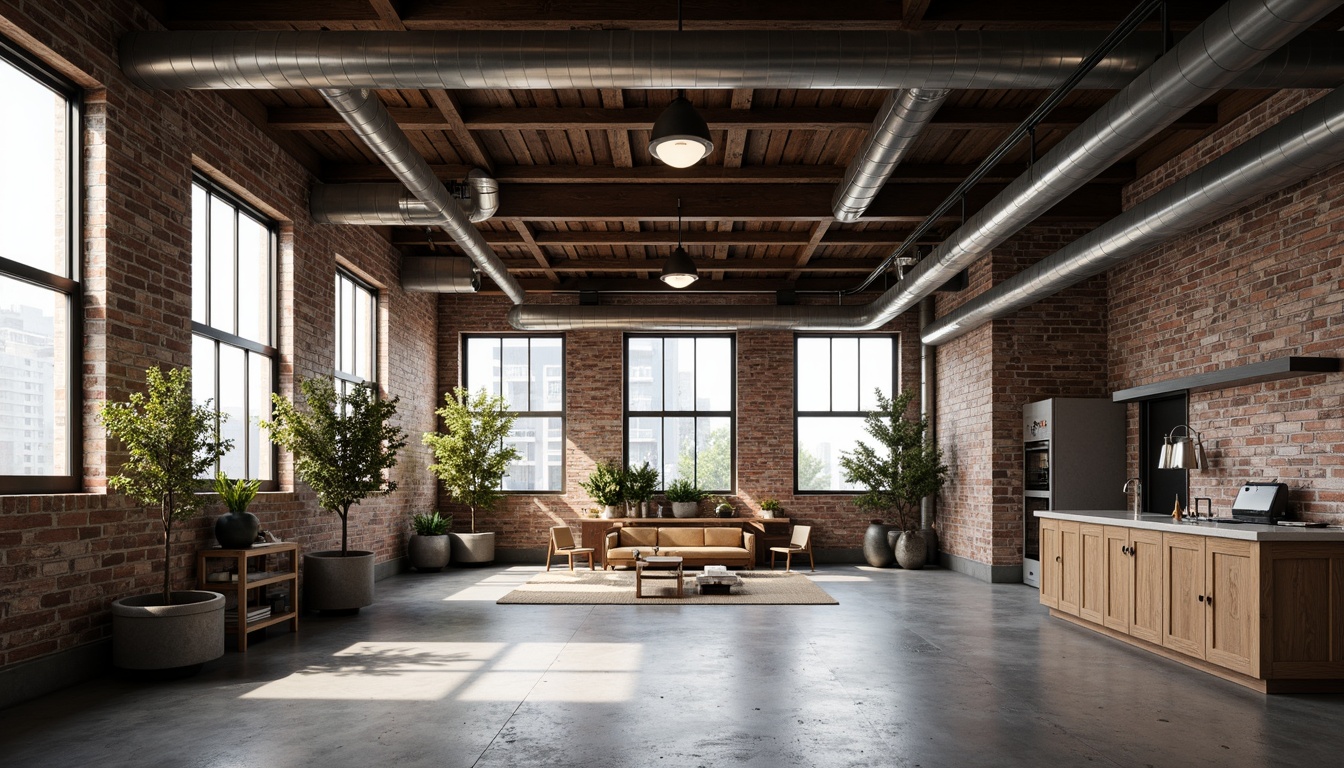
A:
(64, 558)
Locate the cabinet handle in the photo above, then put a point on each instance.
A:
(1201, 598)
(1209, 601)
(1057, 559)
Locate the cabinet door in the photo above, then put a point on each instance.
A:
(1145, 622)
(1091, 572)
(1183, 613)
(1118, 598)
(1051, 563)
(1232, 605)
(1070, 580)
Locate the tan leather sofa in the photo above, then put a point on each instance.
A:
(696, 546)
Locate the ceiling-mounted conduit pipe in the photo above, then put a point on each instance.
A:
(804, 59)
(1298, 147)
(369, 119)
(391, 205)
(900, 121)
(1233, 39)
(439, 274)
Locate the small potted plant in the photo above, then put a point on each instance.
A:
(237, 528)
(722, 508)
(685, 498)
(606, 486)
(770, 508)
(640, 484)
(429, 550)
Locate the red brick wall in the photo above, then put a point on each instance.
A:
(594, 433)
(64, 558)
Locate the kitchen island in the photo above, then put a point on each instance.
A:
(1260, 605)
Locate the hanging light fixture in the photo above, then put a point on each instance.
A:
(680, 136)
(679, 271)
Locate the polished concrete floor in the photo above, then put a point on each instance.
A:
(926, 669)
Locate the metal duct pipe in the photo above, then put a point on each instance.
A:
(369, 119)
(899, 122)
(392, 205)
(439, 274)
(476, 59)
(1298, 147)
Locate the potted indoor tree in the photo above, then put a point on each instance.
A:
(171, 443)
(428, 550)
(471, 459)
(606, 487)
(343, 445)
(640, 484)
(685, 498)
(904, 468)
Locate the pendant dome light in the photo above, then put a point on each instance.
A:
(679, 271)
(680, 136)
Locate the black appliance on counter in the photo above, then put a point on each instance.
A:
(1265, 503)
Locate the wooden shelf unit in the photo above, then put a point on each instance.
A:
(237, 560)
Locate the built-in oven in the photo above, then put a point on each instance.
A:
(1031, 539)
(1037, 474)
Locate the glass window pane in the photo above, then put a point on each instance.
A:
(203, 371)
(644, 441)
(522, 473)
(845, 374)
(339, 326)
(347, 360)
(714, 453)
(875, 370)
(644, 372)
(483, 365)
(679, 359)
(200, 249)
(515, 378)
(679, 449)
(222, 310)
(821, 442)
(366, 318)
(714, 374)
(258, 407)
(233, 404)
(34, 407)
(254, 281)
(34, 168)
(814, 374)
(548, 370)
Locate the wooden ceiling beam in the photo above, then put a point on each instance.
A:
(653, 285)
(610, 266)
(409, 236)
(622, 14)
(539, 255)
(470, 146)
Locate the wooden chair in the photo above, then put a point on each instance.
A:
(562, 543)
(801, 541)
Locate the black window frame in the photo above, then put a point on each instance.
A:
(222, 337)
(69, 284)
(564, 397)
(730, 414)
(801, 414)
(344, 378)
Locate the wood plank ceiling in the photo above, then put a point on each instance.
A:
(583, 205)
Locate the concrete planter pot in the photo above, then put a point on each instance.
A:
(685, 508)
(429, 554)
(146, 634)
(911, 550)
(876, 550)
(338, 584)
(473, 548)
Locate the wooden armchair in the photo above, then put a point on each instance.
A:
(562, 543)
(801, 541)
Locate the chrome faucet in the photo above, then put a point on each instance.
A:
(1138, 493)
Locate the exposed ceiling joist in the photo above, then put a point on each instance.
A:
(406, 236)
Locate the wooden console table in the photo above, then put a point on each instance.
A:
(775, 529)
(248, 590)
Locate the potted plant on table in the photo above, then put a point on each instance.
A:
(471, 459)
(685, 498)
(343, 445)
(606, 485)
(428, 550)
(172, 443)
(640, 484)
(904, 468)
(237, 528)
(770, 508)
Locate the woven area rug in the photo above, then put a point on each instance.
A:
(618, 588)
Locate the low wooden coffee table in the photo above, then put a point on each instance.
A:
(657, 568)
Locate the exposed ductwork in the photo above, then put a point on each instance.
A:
(473, 59)
(899, 122)
(439, 274)
(1232, 40)
(369, 119)
(1299, 146)
(391, 205)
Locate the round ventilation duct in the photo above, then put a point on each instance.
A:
(439, 274)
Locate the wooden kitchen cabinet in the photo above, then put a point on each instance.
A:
(1183, 619)
(1070, 578)
(1091, 572)
(1232, 605)
(1132, 595)
(1051, 563)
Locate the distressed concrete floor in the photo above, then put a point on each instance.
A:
(924, 669)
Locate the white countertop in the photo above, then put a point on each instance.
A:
(1161, 522)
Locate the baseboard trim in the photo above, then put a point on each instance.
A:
(994, 574)
(30, 679)
(390, 568)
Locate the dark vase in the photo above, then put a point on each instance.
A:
(876, 550)
(236, 530)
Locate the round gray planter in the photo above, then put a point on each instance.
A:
(911, 551)
(876, 551)
(685, 508)
(335, 583)
(429, 553)
(146, 634)
(473, 548)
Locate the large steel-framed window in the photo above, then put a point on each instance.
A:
(836, 380)
(233, 355)
(40, 302)
(356, 332)
(529, 371)
(681, 407)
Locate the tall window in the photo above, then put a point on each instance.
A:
(679, 407)
(837, 381)
(233, 324)
(39, 295)
(529, 371)
(356, 332)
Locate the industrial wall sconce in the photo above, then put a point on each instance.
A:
(1184, 452)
